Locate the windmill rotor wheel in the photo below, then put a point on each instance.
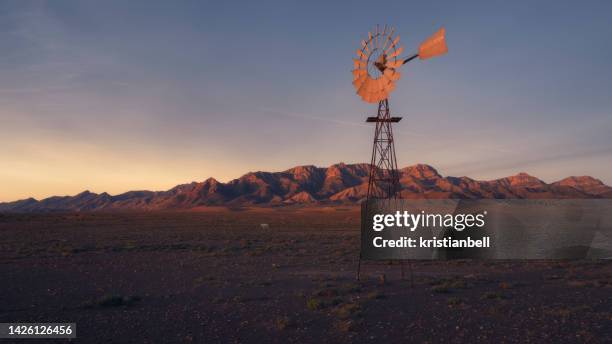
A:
(376, 68)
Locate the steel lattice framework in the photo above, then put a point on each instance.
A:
(384, 177)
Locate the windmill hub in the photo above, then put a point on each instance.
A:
(380, 63)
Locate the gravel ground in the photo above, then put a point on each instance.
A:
(216, 275)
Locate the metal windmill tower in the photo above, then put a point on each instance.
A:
(376, 71)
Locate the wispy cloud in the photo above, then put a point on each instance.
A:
(436, 141)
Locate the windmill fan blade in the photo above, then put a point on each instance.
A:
(370, 85)
(360, 64)
(384, 95)
(361, 54)
(382, 84)
(434, 45)
(358, 75)
(364, 45)
(386, 82)
(388, 38)
(358, 82)
(363, 89)
(397, 52)
(364, 95)
(377, 86)
(373, 86)
(394, 64)
(361, 93)
(391, 74)
(394, 43)
(376, 33)
(359, 72)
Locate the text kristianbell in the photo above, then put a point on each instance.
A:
(379, 242)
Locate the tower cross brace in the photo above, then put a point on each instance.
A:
(383, 182)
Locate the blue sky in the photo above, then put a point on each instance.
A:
(117, 95)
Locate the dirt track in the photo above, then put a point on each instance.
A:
(217, 276)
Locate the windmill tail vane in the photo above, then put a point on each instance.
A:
(434, 46)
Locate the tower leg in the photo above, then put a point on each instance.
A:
(383, 181)
(359, 267)
(411, 274)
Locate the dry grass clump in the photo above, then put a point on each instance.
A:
(315, 304)
(454, 301)
(283, 322)
(493, 295)
(375, 295)
(446, 285)
(348, 310)
(113, 301)
(346, 326)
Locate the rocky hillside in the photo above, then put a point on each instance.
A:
(339, 183)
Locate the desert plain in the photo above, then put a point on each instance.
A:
(216, 275)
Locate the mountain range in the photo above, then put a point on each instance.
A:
(337, 184)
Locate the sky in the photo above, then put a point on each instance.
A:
(111, 96)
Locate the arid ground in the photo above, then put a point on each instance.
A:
(215, 275)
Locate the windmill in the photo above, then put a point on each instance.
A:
(374, 77)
